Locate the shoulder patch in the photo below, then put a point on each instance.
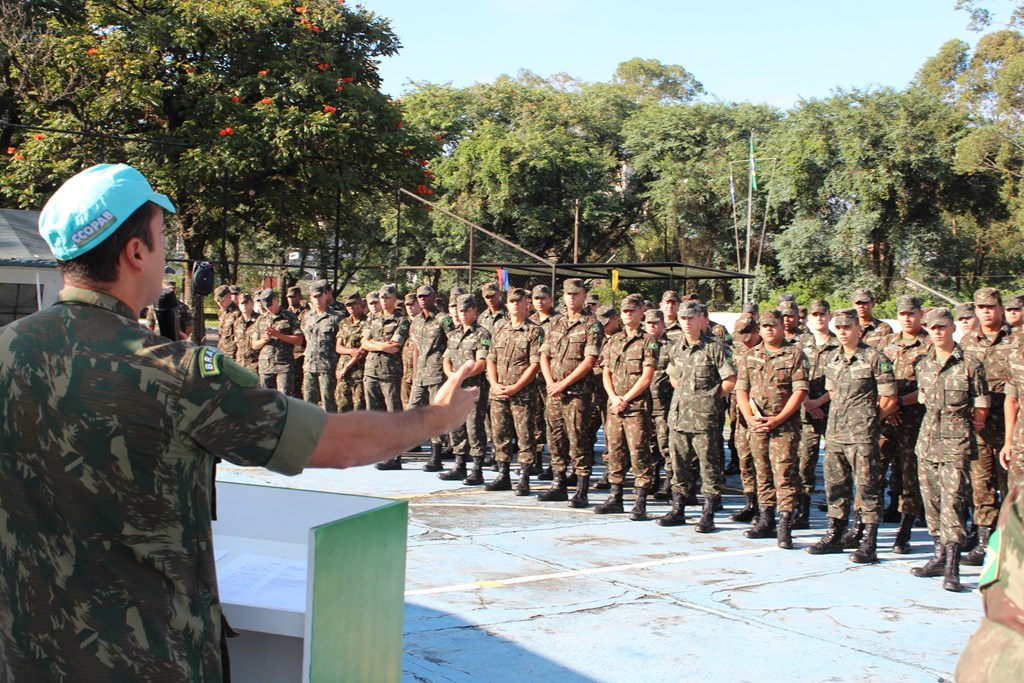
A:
(886, 366)
(653, 345)
(485, 341)
(209, 362)
(596, 327)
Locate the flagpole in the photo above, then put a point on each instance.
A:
(750, 213)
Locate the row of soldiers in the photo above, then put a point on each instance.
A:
(661, 380)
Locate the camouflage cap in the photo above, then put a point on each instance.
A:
(789, 308)
(490, 288)
(690, 309)
(803, 311)
(846, 317)
(751, 307)
(573, 285)
(541, 291)
(388, 290)
(964, 309)
(294, 290)
(692, 296)
(245, 298)
(409, 299)
(465, 302)
(518, 294)
(373, 298)
(987, 296)
(593, 298)
(938, 317)
(652, 314)
(353, 298)
(769, 317)
(786, 296)
(234, 289)
(605, 314)
(633, 302)
(862, 296)
(425, 290)
(456, 293)
(1014, 302)
(221, 291)
(670, 295)
(744, 324)
(266, 295)
(319, 287)
(819, 306)
(908, 304)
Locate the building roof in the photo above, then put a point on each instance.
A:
(20, 243)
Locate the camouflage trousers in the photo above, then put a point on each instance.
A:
(318, 387)
(660, 452)
(423, 395)
(539, 424)
(569, 423)
(598, 418)
(1015, 475)
(628, 436)
(944, 494)
(406, 389)
(296, 383)
(349, 394)
(807, 455)
(280, 381)
(985, 470)
(382, 394)
(775, 460)
(514, 423)
(897, 447)
(847, 464)
(748, 472)
(687, 449)
(470, 439)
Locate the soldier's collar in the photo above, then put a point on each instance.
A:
(77, 295)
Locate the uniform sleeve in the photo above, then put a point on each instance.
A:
(401, 332)
(801, 373)
(536, 342)
(483, 345)
(977, 382)
(885, 380)
(651, 353)
(595, 338)
(723, 360)
(742, 374)
(224, 412)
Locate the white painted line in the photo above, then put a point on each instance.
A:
(497, 583)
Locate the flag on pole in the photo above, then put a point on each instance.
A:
(503, 279)
(615, 279)
(753, 166)
(732, 187)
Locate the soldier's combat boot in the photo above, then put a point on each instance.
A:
(523, 485)
(675, 516)
(867, 552)
(935, 566)
(613, 503)
(706, 524)
(639, 511)
(665, 492)
(655, 484)
(892, 510)
(433, 463)
(691, 495)
(765, 525)
(901, 545)
(802, 519)
(476, 476)
(580, 500)
(557, 491)
(734, 466)
(854, 535)
(537, 468)
(503, 482)
(570, 477)
(951, 578)
(832, 541)
(976, 557)
(785, 534)
(547, 474)
(456, 473)
(394, 463)
(603, 484)
(748, 512)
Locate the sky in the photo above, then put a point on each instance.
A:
(776, 51)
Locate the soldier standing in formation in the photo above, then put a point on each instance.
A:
(543, 316)
(661, 399)
(275, 336)
(428, 332)
(351, 356)
(872, 329)
(746, 337)
(320, 326)
(1011, 457)
(298, 309)
(226, 312)
(245, 355)
(385, 335)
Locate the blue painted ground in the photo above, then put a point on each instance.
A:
(501, 588)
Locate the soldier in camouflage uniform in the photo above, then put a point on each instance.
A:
(670, 308)
(966, 321)
(630, 358)
(544, 315)
(610, 324)
(702, 374)
(954, 391)
(495, 311)
(513, 364)
(991, 342)
(384, 337)
(817, 345)
(300, 310)
(226, 313)
(274, 337)
(1013, 310)
(244, 323)
(746, 337)
(995, 652)
(349, 391)
(872, 329)
(320, 329)
(770, 388)
(1011, 457)
(661, 399)
(790, 320)
(900, 429)
(412, 309)
(862, 391)
(571, 347)
(428, 332)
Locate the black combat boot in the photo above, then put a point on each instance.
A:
(892, 510)
(639, 511)
(765, 525)
(665, 492)
(557, 491)
(537, 468)
(706, 524)
(785, 534)
(734, 466)
(832, 541)
(902, 544)
(802, 519)
(570, 478)
(951, 579)
(935, 566)
(655, 484)
(854, 535)
(456, 473)
(603, 484)
(613, 503)
(476, 476)
(748, 512)
(580, 500)
(434, 461)
(394, 463)
(523, 485)
(547, 474)
(675, 516)
(976, 557)
(867, 552)
(691, 495)
(503, 482)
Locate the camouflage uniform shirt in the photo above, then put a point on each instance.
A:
(626, 357)
(320, 331)
(430, 335)
(350, 332)
(816, 358)
(226, 329)
(108, 439)
(276, 355)
(875, 331)
(514, 348)
(472, 343)
(771, 377)
(244, 353)
(950, 391)
(698, 370)
(854, 385)
(994, 354)
(568, 343)
(383, 327)
(489, 320)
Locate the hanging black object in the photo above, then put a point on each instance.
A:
(202, 278)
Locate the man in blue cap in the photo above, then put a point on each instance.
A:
(109, 434)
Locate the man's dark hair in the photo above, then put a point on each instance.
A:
(100, 263)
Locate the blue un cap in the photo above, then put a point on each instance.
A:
(90, 206)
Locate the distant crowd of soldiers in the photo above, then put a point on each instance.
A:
(663, 380)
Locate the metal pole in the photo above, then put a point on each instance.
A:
(750, 214)
(470, 261)
(224, 227)
(576, 234)
(398, 229)
(337, 237)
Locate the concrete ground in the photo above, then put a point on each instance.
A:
(501, 588)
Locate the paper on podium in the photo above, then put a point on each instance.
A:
(264, 581)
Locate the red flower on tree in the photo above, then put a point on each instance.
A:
(18, 157)
(91, 51)
(339, 88)
(328, 109)
(422, 189)
(399, 124)
(300, 9)
(236, 99)
(347, 79)
(323, 66)
(316, 29)
(427, 174)
(39, 136)
(226, 131)
(264, 72)
(423, 162)
(266, 100)
(12, 150)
